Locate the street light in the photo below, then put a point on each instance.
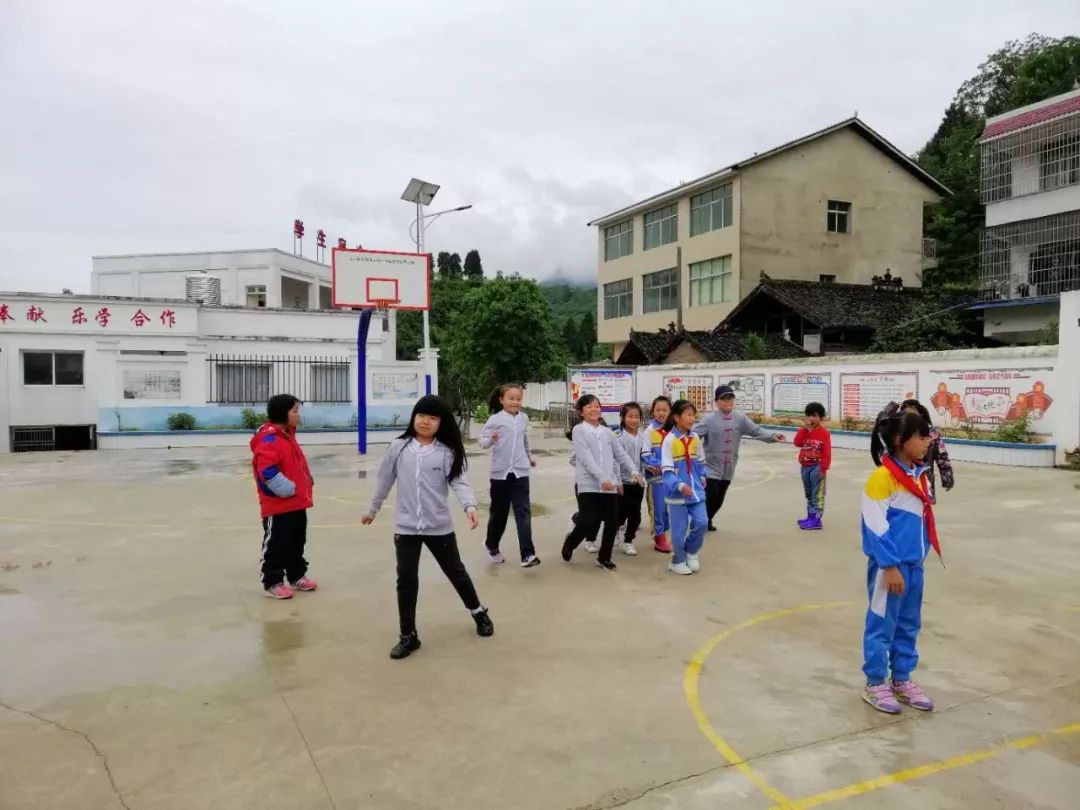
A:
(421, 193)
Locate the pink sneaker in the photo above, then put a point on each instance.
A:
(881, 698)
(909, 692)
(280, 591)
(304, 584)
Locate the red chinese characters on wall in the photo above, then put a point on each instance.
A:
(168, 318)
(5, 314)
(81, 317)
(78, 316)
(103, 317)
(140, 319)
(35, 314)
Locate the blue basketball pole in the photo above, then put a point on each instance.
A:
(361, 379)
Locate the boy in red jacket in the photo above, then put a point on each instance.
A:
(285, 492)
(815, 455)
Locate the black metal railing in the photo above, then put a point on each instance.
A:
(252, 379)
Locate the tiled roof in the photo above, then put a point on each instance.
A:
(717, 345)
(834, 305)
(727, 344)
(1068, 106)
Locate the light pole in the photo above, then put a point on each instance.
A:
(421, 193)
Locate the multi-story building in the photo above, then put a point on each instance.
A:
(1030, 185)
(839, 205)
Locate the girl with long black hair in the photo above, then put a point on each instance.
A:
(428, 461)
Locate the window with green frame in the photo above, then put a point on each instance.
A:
(710, 281)
(711, 210)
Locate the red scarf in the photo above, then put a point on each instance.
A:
(914, 487)
(686, 440)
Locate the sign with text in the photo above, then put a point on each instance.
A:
(151, 383)
(613, 386)
(792, 392)
(58, 315)
(699, 390)
(398, 385)
(990, 397)
(863, 395)
(749, 391)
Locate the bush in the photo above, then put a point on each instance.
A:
(252, 420)
(181, 421)
(481, 414)
(849, 422)
(1018, 431)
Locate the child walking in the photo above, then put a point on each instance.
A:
(721, 433)
(651, 444)
(936, 455)
(898, 532)
(633, 492)
(507, 434)
(599, 460)
(427, 460)
(286, 492)
(683, 464)
(815, 455)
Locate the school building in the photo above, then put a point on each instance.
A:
(209, 335)
(842, 205)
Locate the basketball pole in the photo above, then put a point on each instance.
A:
(361, 379)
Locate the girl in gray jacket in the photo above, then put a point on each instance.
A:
(427, 461)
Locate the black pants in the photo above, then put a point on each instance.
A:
(284, 537)
(595, 508)
(630, 509)
(715, 492)
(513, 492)
(443, 548)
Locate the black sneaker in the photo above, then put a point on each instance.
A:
(530, 562)
(484, 626)
(607, 565)
(567, 552)
(405, 647)
(712, 527)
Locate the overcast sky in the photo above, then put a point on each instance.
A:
(131, 126)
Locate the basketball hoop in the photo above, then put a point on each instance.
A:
(383, 305)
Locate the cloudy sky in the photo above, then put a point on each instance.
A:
(131, 126)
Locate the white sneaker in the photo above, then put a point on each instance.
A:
(620, 535)
(680, 568)
(692, 562)
(591, 547)
(629, 550)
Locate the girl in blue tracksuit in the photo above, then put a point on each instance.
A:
(898, 532)
(651, 443)
(684, 470)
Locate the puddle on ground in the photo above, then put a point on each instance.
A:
(282, 636)
(361, 474)
(4, 591)
(180, 466)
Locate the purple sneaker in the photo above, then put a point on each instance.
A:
(805, 524)
(496, 556)
(881, 697)
(909, 692)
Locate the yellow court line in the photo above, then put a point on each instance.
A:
(693, 700)
(88, 523)
(859, 788)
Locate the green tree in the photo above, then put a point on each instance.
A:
(936, 323)
(755, 348)
(474, 270)
(571, 340)
(443, 263)
(1020, 72)
(1051, 333)
(477, 349)
(587, 336)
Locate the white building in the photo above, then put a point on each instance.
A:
(79, 371)
(1030, 185)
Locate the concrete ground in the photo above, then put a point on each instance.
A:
(142, 667)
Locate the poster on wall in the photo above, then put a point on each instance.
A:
(613, 386)
(791, 392)
(395, 386)
(989, 397)
(699, 390)
(151, 383)
(749, 391)
(863, 394)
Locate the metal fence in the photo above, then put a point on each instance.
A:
(1031, 258)
(1041, 158)
(252, 380)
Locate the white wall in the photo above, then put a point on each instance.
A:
(1068, 425)
(540, 395)
(1032, 205)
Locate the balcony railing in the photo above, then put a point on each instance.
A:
(1031, 258)
(929, 248)
(1031, 161)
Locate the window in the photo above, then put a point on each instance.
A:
(619, 299)
(838, 218)
(618, 241)
(256, 296)
(659, 291)
(330, 382)
(1059, 165)
(710, 282)
(661, 226)
(711, 210)
(241, 383)
(52, 368)
(827, 279)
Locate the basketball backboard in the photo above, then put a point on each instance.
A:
(369, 278)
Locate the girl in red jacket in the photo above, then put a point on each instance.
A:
(285, 492)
